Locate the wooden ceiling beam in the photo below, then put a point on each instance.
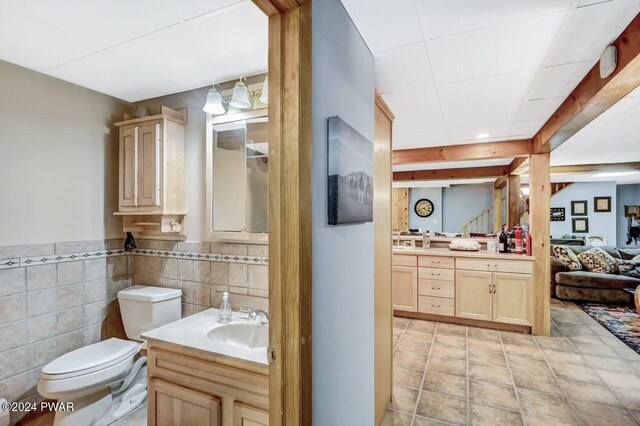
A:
(501, 182)
(594, 95)
(474, 151)
(519, 166)
(593, 168)
(446, 174)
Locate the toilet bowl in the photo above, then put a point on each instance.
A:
(107, 380)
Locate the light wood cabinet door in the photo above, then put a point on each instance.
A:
(244, 415)
(173, 405)
(511, 298)
(149, 168)
(405, 288)
(128, 190)
(400, 215)
(473, 295)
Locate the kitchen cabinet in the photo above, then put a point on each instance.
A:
(405, 288)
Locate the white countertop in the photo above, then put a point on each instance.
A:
(192, 332)
(436, 251)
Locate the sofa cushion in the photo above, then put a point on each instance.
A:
(629, 253)
(594, 280)
(599, 295)
(613, 251)
(630, 268)
(598, 260)
(568, 257)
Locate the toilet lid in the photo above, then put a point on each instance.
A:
(90, 358)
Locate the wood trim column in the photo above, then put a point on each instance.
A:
(383, 256)
(290, 141)
(539, 210)
(497, 209)
(513, 198)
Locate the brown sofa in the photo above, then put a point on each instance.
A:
(590, 286)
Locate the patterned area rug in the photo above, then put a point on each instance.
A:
(622, 321)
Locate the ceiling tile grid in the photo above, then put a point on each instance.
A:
(492, 67)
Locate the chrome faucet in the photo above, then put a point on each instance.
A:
(255, 314)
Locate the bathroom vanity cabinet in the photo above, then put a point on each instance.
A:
(151, 174)
(476, 288)
(189, 387)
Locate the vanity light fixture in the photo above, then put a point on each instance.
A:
(264, 97)
(214, 104)
(240, 98)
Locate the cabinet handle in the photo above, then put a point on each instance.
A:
(435, 288)
(433, 274)
(433, 262)
(435, 306)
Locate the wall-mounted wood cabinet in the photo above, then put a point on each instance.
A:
(151, 174)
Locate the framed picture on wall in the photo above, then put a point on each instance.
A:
(601, 204)
(580, 225)
(579, 208)
(557, 214)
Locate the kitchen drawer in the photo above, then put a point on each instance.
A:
(405, 260)
(436, 288)
(495, 265)
(436, 262)
(436, 274)
(436, 305)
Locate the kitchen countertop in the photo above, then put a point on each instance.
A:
(191, 332)
(482, 254)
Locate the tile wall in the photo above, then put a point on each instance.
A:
(55, 298)
(203, 271)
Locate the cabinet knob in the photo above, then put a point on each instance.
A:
(435, 306)
(435, 288)
(433, 274)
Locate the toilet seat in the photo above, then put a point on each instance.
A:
(89, 359)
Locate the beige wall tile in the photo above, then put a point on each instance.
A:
(69, 273)
(165, 282)
(12, 335)
(95, 291)
(92, 334)
(14, 388)
(117, 266)
(185, 270)
(42, 276)
(95, 269)
(70, 296)
(140, 266)
(28, 250)
(258, 293)
(42, 327)
(219, 273)
(95, 313)
(114, 285)
(222, 248)
(13, 308)
(187, 309)
(258, 250)
(14, 361)
(12, 281)
(238, 290)
(187, 291)
(199, 308)
(169, 268)
(258, 277)
(42, 302)
(79, 246)
(238, 300)
(201, 294)
(69, 342)
(202, 271)
(197, 247)
(238, 275)
(69, 320)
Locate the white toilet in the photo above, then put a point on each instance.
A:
(107, 380)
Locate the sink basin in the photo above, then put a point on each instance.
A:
(240, 335)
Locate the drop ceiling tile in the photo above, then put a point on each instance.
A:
(526, 128)
(491, 114)
(418, 123)
(558, 81)
(412, 101)
(445, 17)
(242, 31)
(496, 132)
(403, 68)
(507, 88)
(419, 140)
(399, 20)
(499, 50)
(108, 74)
(538, 109)
(30, 43)
(193, 8)
(192, 64)
(98, 23)
(588, 30)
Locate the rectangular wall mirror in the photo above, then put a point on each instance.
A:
(238, 177)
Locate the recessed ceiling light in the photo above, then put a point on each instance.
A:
(482, 135)
(613, 174)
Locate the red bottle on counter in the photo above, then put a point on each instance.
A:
(529, 243)
(519, 242)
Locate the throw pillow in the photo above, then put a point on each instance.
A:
(630, 268)
(598, 260)
(568, 257)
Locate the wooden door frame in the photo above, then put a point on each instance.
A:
(290, 140)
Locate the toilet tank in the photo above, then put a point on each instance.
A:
(144, 308)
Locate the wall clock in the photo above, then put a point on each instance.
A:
(423, 208)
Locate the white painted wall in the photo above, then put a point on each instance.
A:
(343, 286)
(600, 224)
(432, 223)
(58, 160)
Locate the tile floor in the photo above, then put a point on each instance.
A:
(452, 374)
